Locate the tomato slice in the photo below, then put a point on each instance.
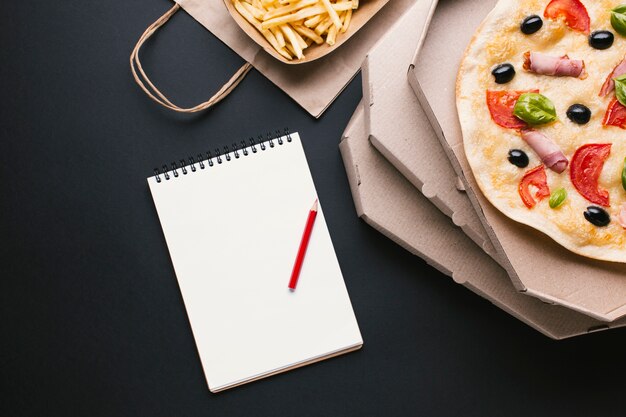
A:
(501, 104)
(585, 170)
(573, 11)
(615, 115)
(535, 177)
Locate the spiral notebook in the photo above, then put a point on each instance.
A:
(233, 220)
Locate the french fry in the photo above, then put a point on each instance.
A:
(291, 36)
(301, 41)
(290, 49)
(289, 9)
(308, 33)
(258, 14)
(258, 4)
(332, 13)
(247, 15)
(279, 36)
(323, 26)
(273, 41)
(271, 38)
(314, 21)
(291, 26)
(342, 6)
(300, 14)
(285, 53)
(266, 33)
(346, 22)
(332, 35)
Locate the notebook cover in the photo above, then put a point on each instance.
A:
(399, 129)
(233, 226)
(389, 203)
(537, 265)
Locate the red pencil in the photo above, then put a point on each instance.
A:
(295, 273)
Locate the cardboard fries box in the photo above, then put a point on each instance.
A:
(360, 17)
(392, 205)
(537, 265)
(398, 128)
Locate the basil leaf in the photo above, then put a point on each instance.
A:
(557, 198)
(618, 19)
(620, 88)
(534, 109)
(624, 175)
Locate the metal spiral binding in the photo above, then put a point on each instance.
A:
(236, 151)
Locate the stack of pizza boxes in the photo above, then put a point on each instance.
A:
(410, 180)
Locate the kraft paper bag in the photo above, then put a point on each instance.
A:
(313, 85)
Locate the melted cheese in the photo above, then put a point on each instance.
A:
(500, 40)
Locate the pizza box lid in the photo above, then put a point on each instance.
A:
(392, 205)
(536, 264)
(394, 121)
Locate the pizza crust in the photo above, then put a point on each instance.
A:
(499, 40)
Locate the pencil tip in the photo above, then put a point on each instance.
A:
(314, 208)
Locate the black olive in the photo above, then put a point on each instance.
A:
(531, 24)
(503, 73)
(579, 113)
(518, 158)
(597, 216)
(601, 39)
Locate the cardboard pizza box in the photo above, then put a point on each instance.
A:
(392, 205)
(537, 265)
(398, 127)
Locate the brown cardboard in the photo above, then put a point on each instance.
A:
(399, 129)
(388, 202)
(313, 85)
(366, 10)
(537, 265)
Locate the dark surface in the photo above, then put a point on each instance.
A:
(92, 322)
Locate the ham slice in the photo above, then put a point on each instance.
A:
(609, 84)
(553, 65)
(622, 215)
(548, 151)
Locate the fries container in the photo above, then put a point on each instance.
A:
(367, 9)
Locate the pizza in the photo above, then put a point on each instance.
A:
(541, 98)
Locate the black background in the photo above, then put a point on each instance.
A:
(92, 322)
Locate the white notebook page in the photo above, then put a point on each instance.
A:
(233, 232)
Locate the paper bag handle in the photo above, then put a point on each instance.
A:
(153, 92)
